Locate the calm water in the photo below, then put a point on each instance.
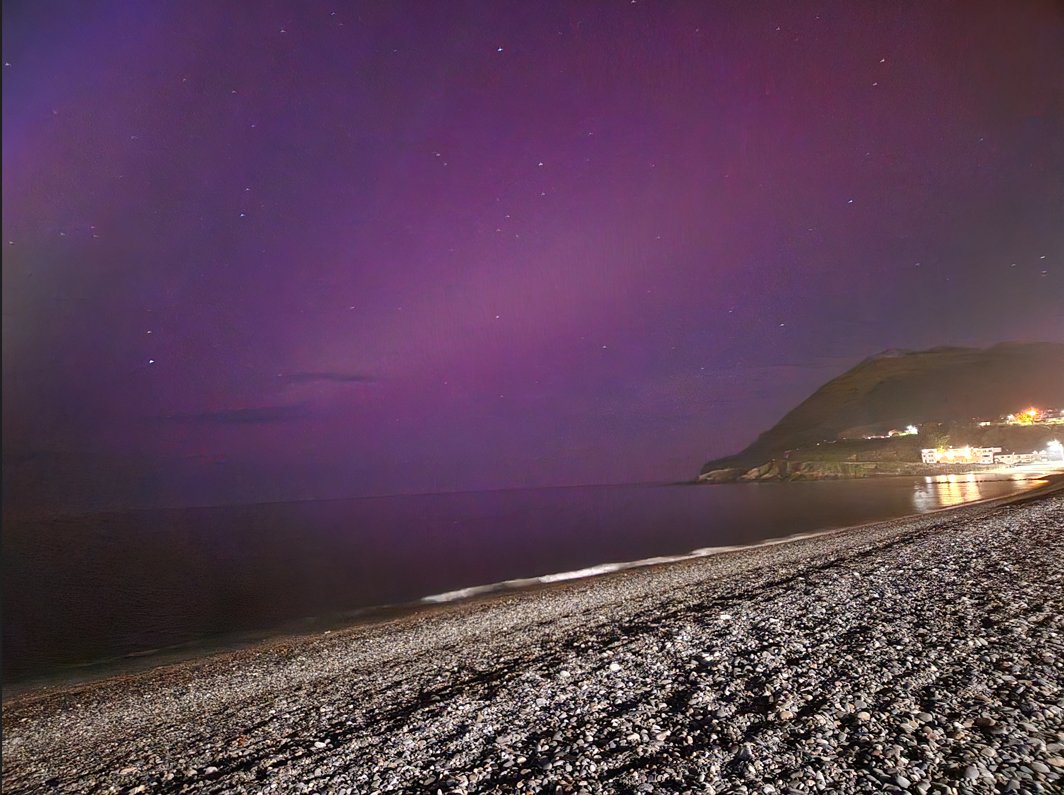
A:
(90, 588)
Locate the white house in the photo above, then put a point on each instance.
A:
(985, 455)
(959, 455)
(1012, 459)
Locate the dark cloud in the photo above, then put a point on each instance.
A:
(326, 376)
(255, 415)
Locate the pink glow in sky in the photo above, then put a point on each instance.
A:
(292, 249)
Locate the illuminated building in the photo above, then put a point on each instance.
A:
(959, 455)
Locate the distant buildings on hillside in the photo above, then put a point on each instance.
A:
(1029, 416)
(1054, 452)
(959, 455)
(910, 430)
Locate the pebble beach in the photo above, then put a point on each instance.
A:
(921, 655)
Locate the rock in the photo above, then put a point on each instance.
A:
(864, 717)
(971, 772)
(767, 471)
(720, 476)
(1038, 767)
(1055, 761)
(614, 667)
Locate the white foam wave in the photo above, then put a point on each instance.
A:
(603, 568)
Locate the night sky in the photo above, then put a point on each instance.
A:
(275, 250)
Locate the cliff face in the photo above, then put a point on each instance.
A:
(899, 388)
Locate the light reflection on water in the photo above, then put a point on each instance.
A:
(945, 491)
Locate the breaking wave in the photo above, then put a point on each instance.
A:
(604, 568)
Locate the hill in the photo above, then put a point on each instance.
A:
(894, 389)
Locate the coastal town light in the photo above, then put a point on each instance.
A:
(1055, 451)
(1029, 416)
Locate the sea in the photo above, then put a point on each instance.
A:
(84, 594)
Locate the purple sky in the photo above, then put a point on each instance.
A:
(278, 250)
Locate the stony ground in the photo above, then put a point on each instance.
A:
(914, 656)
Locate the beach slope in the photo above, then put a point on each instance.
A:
(916, 655)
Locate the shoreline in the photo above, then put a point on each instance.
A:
(91, 672)
(846, 609)
(797, 471)
(1052, 482)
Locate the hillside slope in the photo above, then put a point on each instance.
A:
(899, 388)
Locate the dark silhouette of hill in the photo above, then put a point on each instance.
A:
(896, 388)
